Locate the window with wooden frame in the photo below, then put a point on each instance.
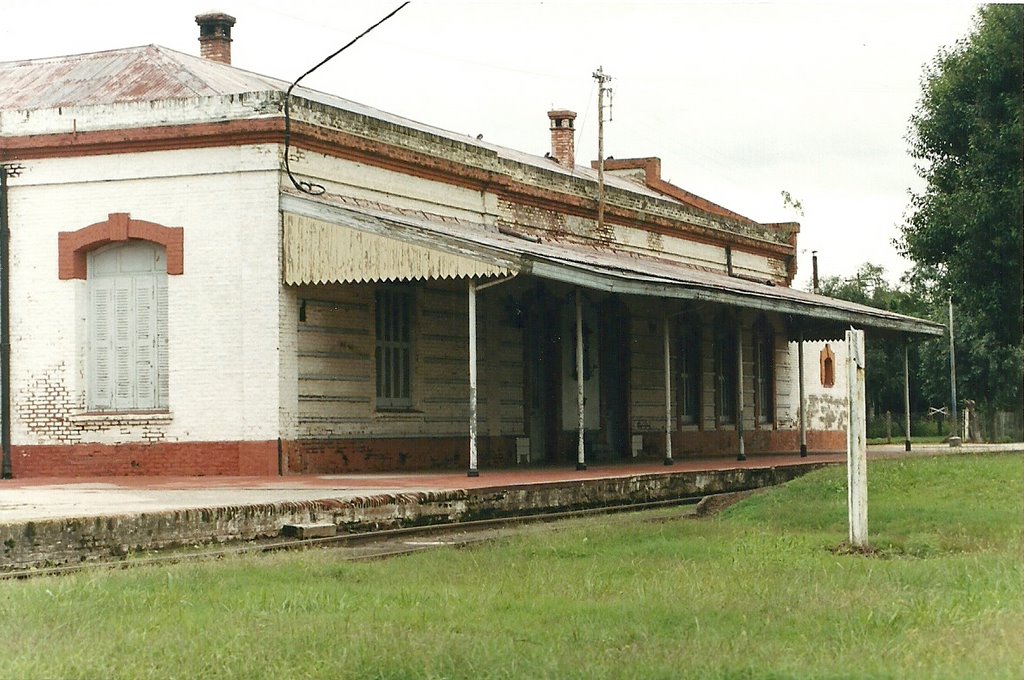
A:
(725, 370)
(688, 375)
(127, 362)
(764, 372)
(393, 310)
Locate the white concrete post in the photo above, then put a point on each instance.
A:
(856, 441)
(473, 470)
(668, 394)
(906, 393)
(803, 395)
(742, 455)
(581, 462)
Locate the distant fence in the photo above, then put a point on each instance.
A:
(998, 426)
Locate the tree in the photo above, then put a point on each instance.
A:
(884, 379)
(964, 231)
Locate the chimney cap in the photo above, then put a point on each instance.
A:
(562, 118)
(561, 113)
(215, 18)
(215, 36)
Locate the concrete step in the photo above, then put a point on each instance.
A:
(309, 530)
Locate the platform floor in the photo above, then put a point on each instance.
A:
(31, 499)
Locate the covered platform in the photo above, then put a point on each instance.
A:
(61, 521)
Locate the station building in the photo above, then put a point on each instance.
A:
(200, 285)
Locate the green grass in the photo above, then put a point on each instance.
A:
(898, 439)
(757, 592)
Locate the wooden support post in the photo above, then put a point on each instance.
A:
(856, 441)
(581, 460)
(906, 393)
(473, 470)
(803, 396)
(741, 455)
(668, 393)
(954, 428)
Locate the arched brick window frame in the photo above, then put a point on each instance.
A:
(73, 246)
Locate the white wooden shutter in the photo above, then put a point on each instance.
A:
(145, 359)
(124, 332)
(162, 358)
(128, 349)
(101, 345)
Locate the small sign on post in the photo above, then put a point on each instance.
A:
(856, 441)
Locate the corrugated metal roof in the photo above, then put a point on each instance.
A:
(135, 74)
(152, 73)
(605, 269)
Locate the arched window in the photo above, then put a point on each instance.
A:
(764, 372)
(828, 367)
(127, 320)
(725, 370)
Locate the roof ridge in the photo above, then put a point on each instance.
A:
(77, 55)
(165, 55)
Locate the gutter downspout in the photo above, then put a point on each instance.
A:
(5, 321)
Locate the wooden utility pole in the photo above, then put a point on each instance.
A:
(906, 393)
(856, 441)
(602, 78)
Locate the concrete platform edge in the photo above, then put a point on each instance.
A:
(45, 543)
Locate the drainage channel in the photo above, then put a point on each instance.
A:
(368, 545)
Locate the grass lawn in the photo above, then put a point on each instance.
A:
(758, 591)
(898, 439)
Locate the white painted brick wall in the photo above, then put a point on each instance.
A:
(223, 311)
(826, 406)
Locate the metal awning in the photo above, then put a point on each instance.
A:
(328, 241)
(357, 250)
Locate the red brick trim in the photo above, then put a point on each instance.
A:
(179, 459)
(344, 456)
(340, 144)
(725, 443)
(74, 246)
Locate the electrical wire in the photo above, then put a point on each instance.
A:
(312, 188)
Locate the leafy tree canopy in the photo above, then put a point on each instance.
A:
(869, 286)
(964, 231)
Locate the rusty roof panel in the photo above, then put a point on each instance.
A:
(606, 269)
(153, 73)
(135, 74)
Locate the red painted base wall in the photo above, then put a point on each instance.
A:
(340, 456)
(726, 442)
(360, 455)
(158, 459)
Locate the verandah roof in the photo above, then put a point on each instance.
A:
(375, 246)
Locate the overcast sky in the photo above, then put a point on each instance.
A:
(741, 101)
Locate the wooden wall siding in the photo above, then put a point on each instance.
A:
(647, 362)
(647, 382)
(336, 358)
(320, 252)
(785, 380)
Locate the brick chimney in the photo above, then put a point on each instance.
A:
(563, 144)
(215, 36)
